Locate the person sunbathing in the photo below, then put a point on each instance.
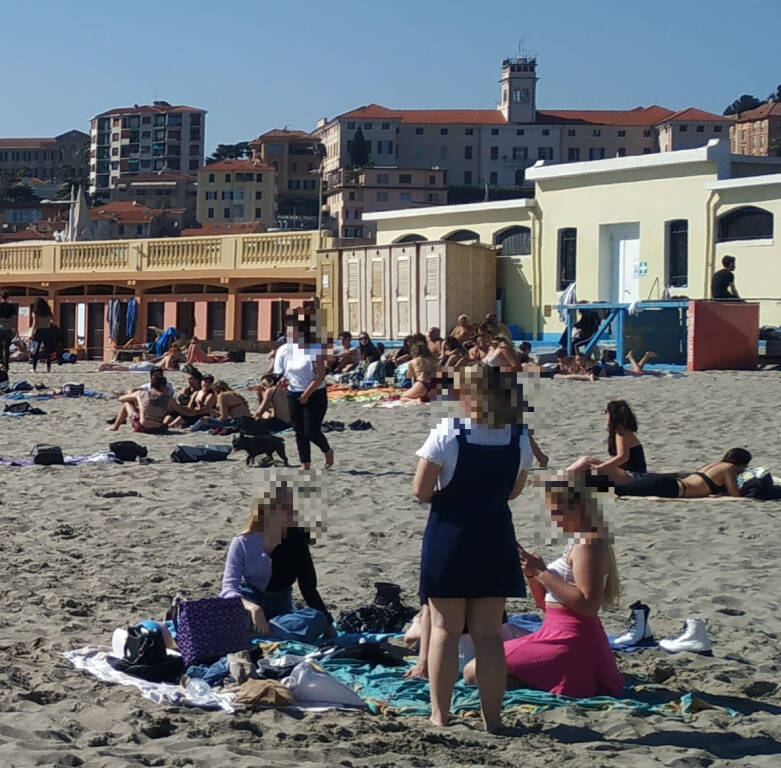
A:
(627, 458)
(570, 655)
(170, 360)
(273, 405)
(198, 352)
(147, 408)
(718, 478)
(422, 370)
(434, 340)
(230, 404)
(577, 367)
(638, 366)
(502, 354)
(482, 344)
(193, 385)
(203, 400)
(454, 354)
(463, 331)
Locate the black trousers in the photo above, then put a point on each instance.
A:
(45, 339)
(307, 421)
(6, 337)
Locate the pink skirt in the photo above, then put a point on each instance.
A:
(569, 655)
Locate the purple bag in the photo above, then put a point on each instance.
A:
(209, 628)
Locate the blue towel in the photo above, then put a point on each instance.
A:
(130, 318)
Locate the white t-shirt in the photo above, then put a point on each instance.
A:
(441, 446)
(169, 389)
(295, 364)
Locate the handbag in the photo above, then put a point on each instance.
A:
(210, 628)
(47, 455)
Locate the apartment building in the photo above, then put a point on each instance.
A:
(161, 191)
(142, 140)
(757, 131)
(350, 194)
(48, 159)
(295, 156)
(237, 190)
(493, 147)
(690, 128)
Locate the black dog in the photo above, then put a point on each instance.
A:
(254, 445)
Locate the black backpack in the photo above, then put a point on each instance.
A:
(22, 407)
(144, 646)
(128, 450)
(47, 455)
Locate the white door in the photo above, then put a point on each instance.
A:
(626, 265)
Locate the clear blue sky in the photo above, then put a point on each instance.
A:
(256, 65)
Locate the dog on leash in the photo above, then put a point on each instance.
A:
(255, 445)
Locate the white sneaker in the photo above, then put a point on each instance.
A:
(694, 639)
(639, 628)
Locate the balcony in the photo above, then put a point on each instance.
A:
(222, 256)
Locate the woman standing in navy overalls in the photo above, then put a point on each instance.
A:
(469, 468)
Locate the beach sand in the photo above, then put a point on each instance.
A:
(78, 564)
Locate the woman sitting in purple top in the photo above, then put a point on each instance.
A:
(268, 556)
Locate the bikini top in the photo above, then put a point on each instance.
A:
(563, 570)
(712, 487)
(636, 461)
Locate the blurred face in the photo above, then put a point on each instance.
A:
(433, 334)
(207, 384)
(566, 515)
(346, 340)
(363, 339)
(193, 383)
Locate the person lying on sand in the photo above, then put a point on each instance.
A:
(171, 360)
(577, 367)
(718, 478)
(198, 352)
(627, 458)
(570, 654)
(638, 367)
(148, 408)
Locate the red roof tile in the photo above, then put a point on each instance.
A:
(27, 143)
(431, 116)
(692, 114)
(236, 165)
(284, 133)
(147, 109)
(123, 212)
(226, 228)
(772, 108)
(639, 116)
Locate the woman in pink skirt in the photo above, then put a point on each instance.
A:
(570, 654)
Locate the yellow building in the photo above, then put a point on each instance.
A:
(622, 229)
(224, 289)
(237, 190)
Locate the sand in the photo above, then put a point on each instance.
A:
(78, 564)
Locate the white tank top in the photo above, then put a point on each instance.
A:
(563, 570)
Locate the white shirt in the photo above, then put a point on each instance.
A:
(169, 390)
(441, 446)
(295, 364)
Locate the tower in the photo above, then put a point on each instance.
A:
(519, 86)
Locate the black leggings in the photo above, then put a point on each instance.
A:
(665, 486)
(44, 338)
(307, 420)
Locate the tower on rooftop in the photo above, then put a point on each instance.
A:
(519, 87)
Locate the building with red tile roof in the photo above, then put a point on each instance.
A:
(143, 139)
(757, 131)
(233, 191)
(493, 147)
(690, 128)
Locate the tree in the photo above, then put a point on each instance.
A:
(744, 103)
(230, 152)
(359, 150)
(776, 95)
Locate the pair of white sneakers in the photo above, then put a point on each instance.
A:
(693, 637)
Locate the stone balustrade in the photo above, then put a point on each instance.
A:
(225, 253)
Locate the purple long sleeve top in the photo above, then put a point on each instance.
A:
(246, 560)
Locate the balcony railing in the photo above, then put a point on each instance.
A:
(295, 250)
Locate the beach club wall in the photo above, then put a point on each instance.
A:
(227, 289)
(623, 229)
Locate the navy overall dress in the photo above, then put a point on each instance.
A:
(469, 547)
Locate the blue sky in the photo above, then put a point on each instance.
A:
(261, 65)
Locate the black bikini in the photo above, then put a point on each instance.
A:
(636, 461)
(714, 489)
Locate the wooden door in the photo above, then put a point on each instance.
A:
(155, 316)
(185, 319)
(215, 321)
(249, 320)
(95, 330)
(68, 325)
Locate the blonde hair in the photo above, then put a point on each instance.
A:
(263, 501)
(582, 496)
(497, 394)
